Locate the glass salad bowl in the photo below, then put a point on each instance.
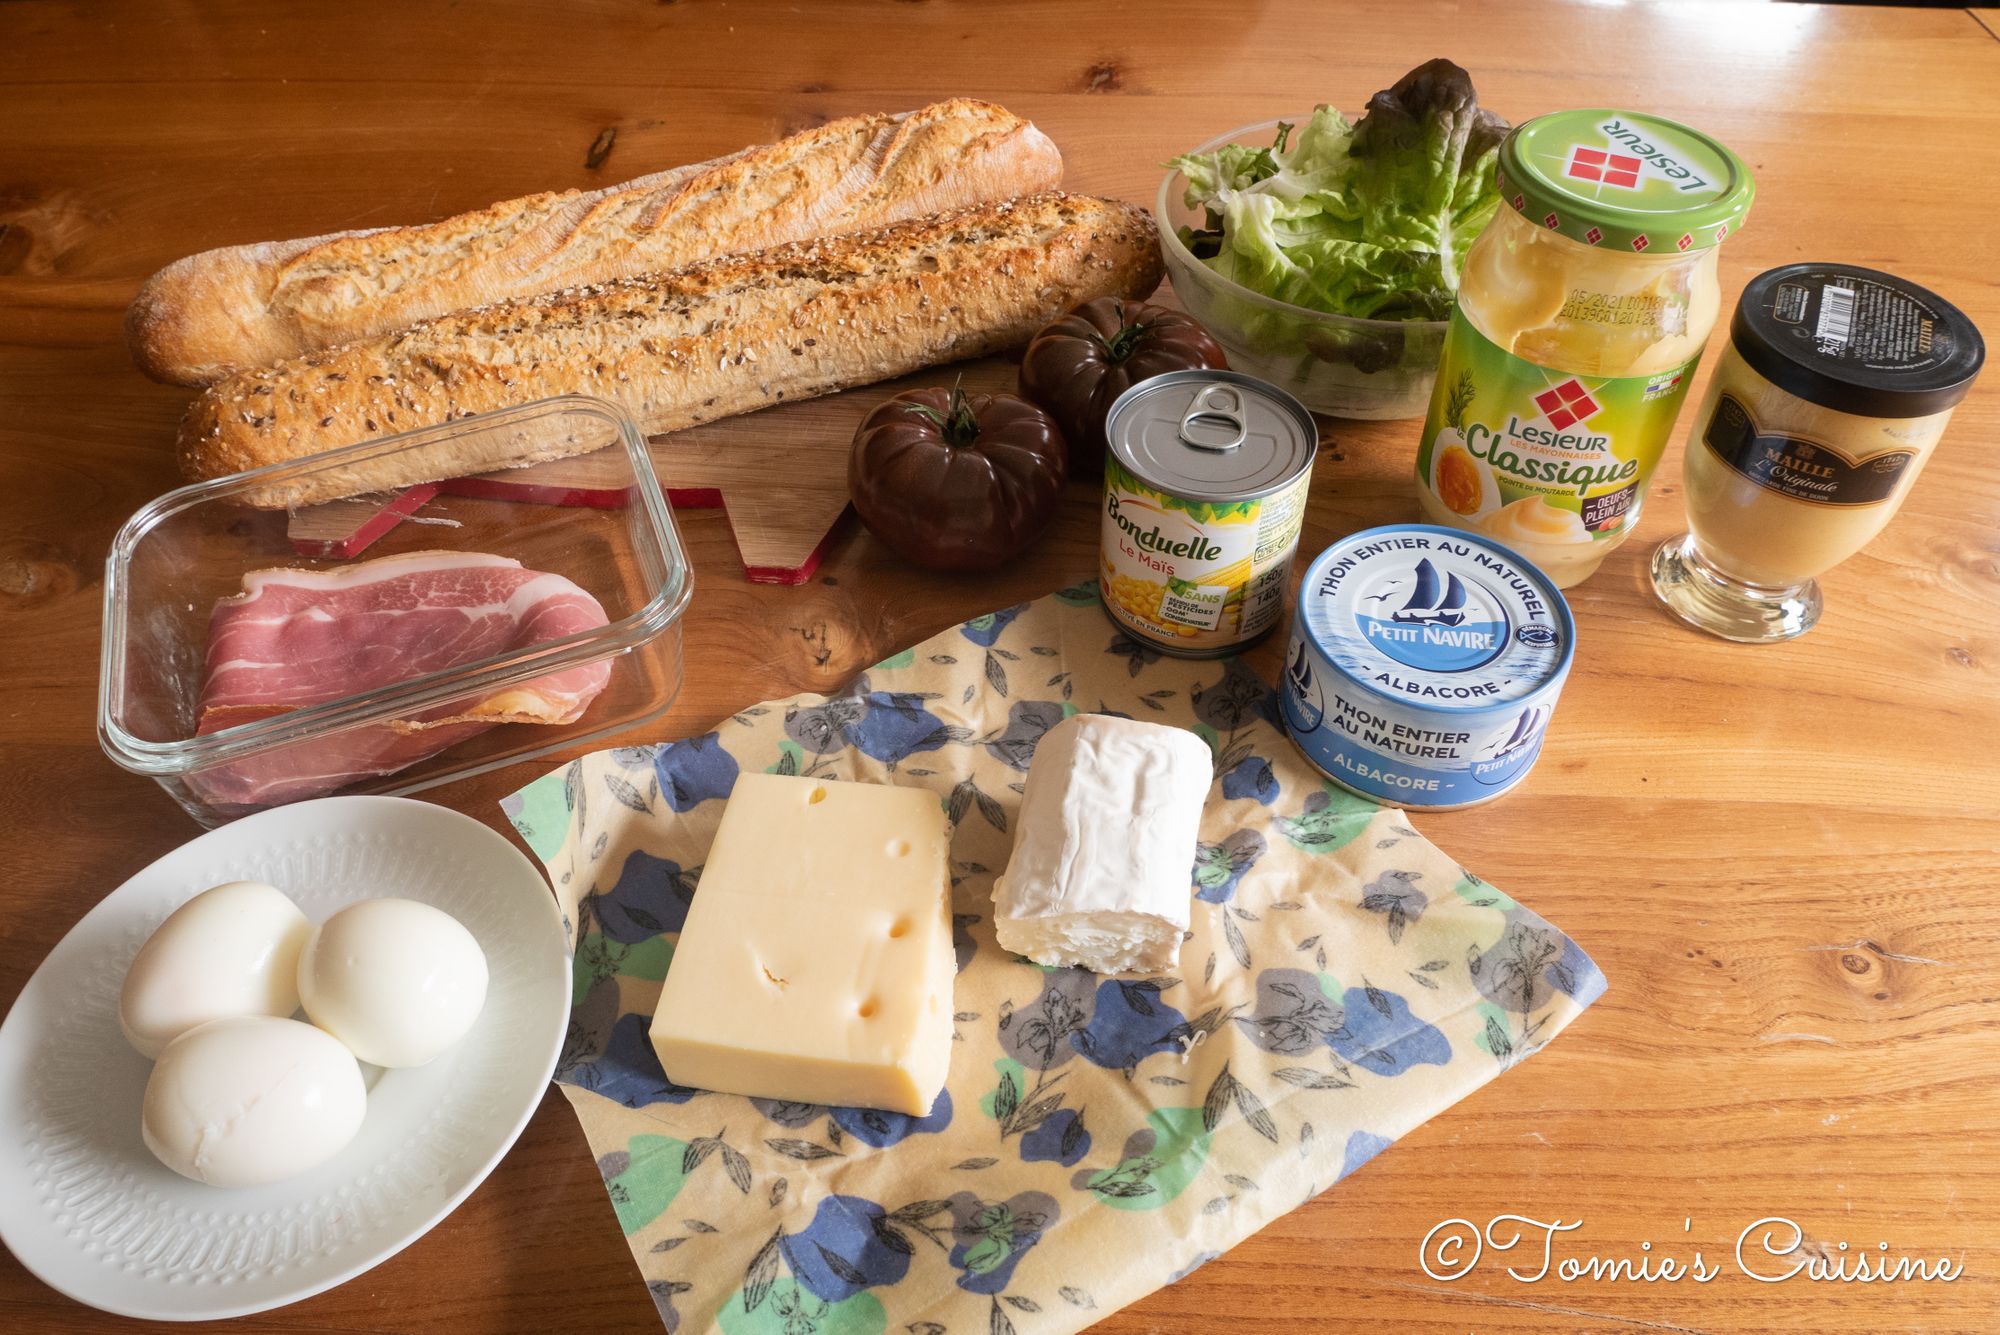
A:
(179, 555)
(1334, 364)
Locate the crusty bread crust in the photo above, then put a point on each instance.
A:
(221, 311)
(723, 337)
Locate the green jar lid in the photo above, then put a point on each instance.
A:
(1623, 180)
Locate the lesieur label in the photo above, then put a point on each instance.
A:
(1586, 444)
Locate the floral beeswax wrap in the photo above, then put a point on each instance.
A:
(1100, 1137)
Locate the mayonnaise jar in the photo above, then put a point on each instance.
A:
(1584, 308)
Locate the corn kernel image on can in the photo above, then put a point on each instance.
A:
(1204, 490)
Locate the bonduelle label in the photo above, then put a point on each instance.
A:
(1207, 575)
(1424, 665)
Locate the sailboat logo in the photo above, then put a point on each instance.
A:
(1527, 730)
(1425, 606)
(1304, 706)
(1508, 755)
(1433, 618)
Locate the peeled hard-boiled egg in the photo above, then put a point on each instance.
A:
(395, 980)
(251, 1099)
(1522, 287)
(231, 950)
(1520, 284)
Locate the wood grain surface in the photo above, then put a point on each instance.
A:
(1786, 859)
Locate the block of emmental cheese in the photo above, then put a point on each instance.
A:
(1103, 864)
(816, 961)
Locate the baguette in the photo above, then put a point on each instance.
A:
(211, 314)
(722, 337)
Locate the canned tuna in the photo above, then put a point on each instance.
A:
(1424, 665)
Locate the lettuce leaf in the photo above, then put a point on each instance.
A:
(1371, 219)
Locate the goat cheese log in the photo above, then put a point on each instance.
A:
(1102, 870)
(676, 349)
(226, 310)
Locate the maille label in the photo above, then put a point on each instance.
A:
(1798, 468)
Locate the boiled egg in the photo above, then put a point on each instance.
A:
(1464, 484)
(1523, 286)
(395, 980)
(231, 950)
(1520, 285)
(251, 1099)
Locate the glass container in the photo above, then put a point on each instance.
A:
(1835, 388)
(1334, 364)
(174, 559)
(1583, 311)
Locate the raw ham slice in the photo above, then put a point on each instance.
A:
(295, 638)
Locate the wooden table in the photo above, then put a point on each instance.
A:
(1785, 859)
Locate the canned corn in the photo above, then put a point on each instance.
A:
(1204, 490)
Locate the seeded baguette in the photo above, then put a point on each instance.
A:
(225, 310)
(676, 349)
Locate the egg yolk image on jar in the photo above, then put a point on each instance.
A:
(1466, 485)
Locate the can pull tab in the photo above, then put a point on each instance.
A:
(1214, 420)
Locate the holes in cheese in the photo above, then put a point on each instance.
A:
(1100, 876)
(804, 927)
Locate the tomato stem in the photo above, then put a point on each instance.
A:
(1122, 344)
(958, 424)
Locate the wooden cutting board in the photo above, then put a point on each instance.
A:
(780, 475)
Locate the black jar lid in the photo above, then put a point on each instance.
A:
(1857, 340)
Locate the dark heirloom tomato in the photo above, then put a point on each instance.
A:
(1077, 367)
(956, 481)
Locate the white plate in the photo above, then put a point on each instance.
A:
(86, 1207)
